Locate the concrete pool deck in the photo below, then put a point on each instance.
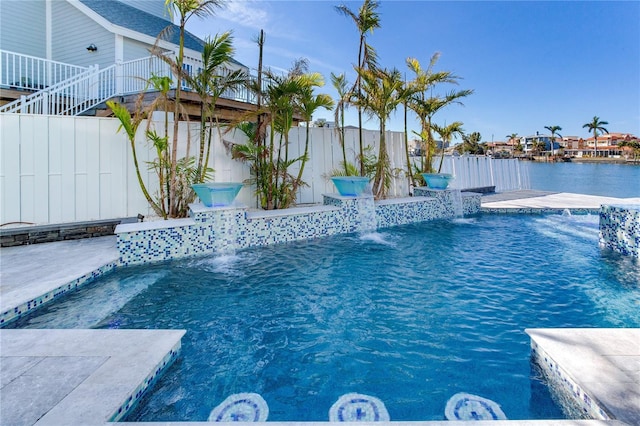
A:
(532, 201)
(29, 271)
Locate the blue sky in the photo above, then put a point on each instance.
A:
(531, 64)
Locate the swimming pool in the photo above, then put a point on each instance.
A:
(411, 315)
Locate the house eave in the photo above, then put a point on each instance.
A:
(128, 33)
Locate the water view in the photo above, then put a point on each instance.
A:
(608, 180)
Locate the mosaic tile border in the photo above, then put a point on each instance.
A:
(26, 308)
(536, 210)
(134, 398)
(220, 229)
(619, 229)
(569, 390)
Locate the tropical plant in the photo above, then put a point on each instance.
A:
(284, 97)
(553, 130)
(186, 9)
(595, 126)
(471, 144)
(447, 133)
(409, 174)
(518, 147)
(634, 145)
(537, 146)
(366, 20)
(320, 122)
(130, 125)
(340, 84)
(512, 137)
(308, 103)
(382, 92)
(424, 104)
(211, 82)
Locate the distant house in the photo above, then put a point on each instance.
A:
(608, 145)
(550, 146)
(501, 148)
(67, 39)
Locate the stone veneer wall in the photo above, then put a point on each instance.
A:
(620, 229)
(36, 234)
(219, 229)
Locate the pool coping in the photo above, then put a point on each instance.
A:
(583, 363)
(80, 377)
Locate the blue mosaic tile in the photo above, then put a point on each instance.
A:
(619, 229)
(136, 395)
(217, 230)
(27, 307)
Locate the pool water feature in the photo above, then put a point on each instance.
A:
(456, 198)
(366, 208)
(412, 317)
(217, 194)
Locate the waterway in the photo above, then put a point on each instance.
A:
(608, 180)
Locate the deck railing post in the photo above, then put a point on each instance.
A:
(45, 102)
(119, 77)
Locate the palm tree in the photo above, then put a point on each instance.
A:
(366, 20)
(512, 137)
(383, 91)
(185, 9)
(340, 84)
(553, 130)
(425, 105)
(447, 133)
(596, 126)
(308, 103)
(210, 83)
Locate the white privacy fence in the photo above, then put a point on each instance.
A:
(475, 172)
(57, 169)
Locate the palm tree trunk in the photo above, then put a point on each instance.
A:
(344, 148)
(378, 181)
(406, 148)
(358, 83)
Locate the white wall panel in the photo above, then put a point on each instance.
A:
(62, 169)
(10, 169)
(41, 171)
(27, 169)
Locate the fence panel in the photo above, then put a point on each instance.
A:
(57, 169)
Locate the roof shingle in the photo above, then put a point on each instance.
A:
(140, 21)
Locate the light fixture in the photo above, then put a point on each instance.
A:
(92, 47)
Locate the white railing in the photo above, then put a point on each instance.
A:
(70, 97)
(89, 87)
(31, 73)
(133, 76)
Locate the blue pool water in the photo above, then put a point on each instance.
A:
(411, 315)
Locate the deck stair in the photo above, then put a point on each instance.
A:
(86, 88)
(62, 89)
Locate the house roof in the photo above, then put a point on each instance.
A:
(134, 19)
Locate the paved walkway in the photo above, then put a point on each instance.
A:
(530, 200)
(78, 377)
(30, 271)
